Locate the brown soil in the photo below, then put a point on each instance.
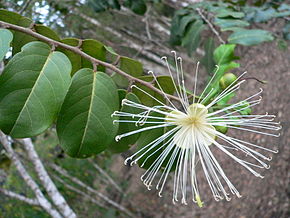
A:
(268, 197)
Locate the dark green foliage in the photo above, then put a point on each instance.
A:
(103, 5)
(131, 67)
(187, 22)
(137, 6)
(32, 88)
(208, 60)
(223, 57)
(123, 144)
(191, 39)
(164, 81)
(20, 39)
(250, 37)
(85, 126)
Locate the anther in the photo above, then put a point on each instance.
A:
(228, 198)
(117, 138)
(123, 101)
(126, 160)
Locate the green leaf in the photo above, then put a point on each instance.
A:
(229, 24)
(208, 60)
(122, 94)
(32, 88)
(75, 59)
(185, 21)
(226, 99)
(110, 50)
(5, 39)
(215, 82)
(250, 37)
(9, 16)
(147, 137)
(229, 13)
(95, 49)
(103, 5)
(46, 31)
(20, 39)
(131, 67)
(123, 144)
(175, 36)
(223, 57)
(164, 81)
(264, 15)
(85, 126)
(286, 31)
(224, 54)
(91, 47)
(244, 109)
(137, 6)
(192, 38)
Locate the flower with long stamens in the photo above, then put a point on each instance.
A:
(192, 130)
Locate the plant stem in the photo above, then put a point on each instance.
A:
(76, 50)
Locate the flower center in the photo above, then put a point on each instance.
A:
(195, 129)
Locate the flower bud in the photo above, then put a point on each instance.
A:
(221, 129)
(227, 80)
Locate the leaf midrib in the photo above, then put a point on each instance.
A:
(32, 90)
(89, 113)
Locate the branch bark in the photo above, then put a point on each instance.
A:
(12, 194)
(106, 175)
(210, 26)
(57, 199)
(76, 50)
(63, 172)
(43, 202)
(90, 198)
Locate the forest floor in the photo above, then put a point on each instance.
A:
(268, 197)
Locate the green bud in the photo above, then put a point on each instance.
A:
(221, 129)
(227, 80)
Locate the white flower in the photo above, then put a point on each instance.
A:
(192, 133)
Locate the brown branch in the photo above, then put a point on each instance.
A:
(210, 26)
(254, 78)
(84, 55)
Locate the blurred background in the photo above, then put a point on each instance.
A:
(146, 30)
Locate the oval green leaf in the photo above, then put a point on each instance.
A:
(95, 49)
(85, 126)
(164, 81)
(191, 39)
(130, 66)
(250, 37)
(32, 88)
